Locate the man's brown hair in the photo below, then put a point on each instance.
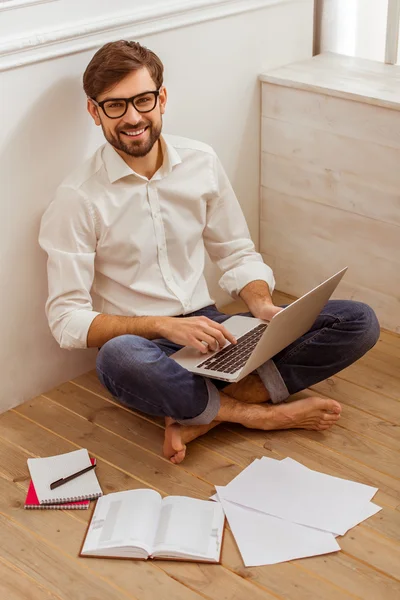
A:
(116, 60)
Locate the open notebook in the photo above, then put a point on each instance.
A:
(141, 524)
(46, 470)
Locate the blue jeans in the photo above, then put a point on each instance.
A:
(140, 374)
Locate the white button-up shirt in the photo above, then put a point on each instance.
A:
(122, 244)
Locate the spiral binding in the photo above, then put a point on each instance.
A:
(56, 507)
(73, 499)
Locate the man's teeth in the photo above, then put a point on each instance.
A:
(134, 133)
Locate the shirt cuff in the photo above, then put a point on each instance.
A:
(74, 333)
(236, 279)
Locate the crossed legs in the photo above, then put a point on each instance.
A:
(140, 374)
(245, 403)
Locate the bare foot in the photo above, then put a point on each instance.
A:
(313, 413)
(173, 448)
(177, 436)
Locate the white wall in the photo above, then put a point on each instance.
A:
(354, 27)
(211, 74)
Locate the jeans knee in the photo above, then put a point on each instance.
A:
(368, 323)
(119, 358)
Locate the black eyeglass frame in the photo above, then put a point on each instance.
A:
(155, 93)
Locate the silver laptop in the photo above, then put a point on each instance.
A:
(257, 340)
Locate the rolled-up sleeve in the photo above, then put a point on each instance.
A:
(227, 239)
(68, 235)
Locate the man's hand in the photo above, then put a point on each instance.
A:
(266, 310)
(257, 296)
(200, 333)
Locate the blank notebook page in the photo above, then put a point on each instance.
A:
(46, 470)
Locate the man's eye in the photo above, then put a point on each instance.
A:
(114, 105)
(143, 100)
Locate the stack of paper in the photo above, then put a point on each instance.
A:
(281, 510)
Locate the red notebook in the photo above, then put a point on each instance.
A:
(32, 501)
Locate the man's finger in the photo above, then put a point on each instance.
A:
(213, 338)
(228, 335)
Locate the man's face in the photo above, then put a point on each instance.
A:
(134, 133)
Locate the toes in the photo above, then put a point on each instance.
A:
(331, 406)
(330, 417)
(178, 457)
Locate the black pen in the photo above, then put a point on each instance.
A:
(63, 480)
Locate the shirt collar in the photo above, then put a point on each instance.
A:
(117, 168)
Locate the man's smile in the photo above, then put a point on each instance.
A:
(135, 132)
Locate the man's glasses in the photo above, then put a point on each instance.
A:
(115, 108)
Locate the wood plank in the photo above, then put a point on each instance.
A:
(143, 579)
(235, 448)
(350, 394)
(320, 458)
(16, 585)
(192, 575)
(340, 569)
(289, 276)
(372, 274)
(387, 365)
(351, 445)
(340, 76)
(355, 576)
(360, 423)
(368, 160)
(294, 176)
(377, 551)
(311, 583)
(356, 430)
(387, 522)
(370, 249)
(149, 467)
(359, 541)
(150, 583)
(390, 337)
(147, 579)
(356, 120)
(364, 374)
(50, 525)
(87, 408)
(126, 423)
(332, 593)
(65, 531)
(166, 478)
(64, 576)
(390, 351)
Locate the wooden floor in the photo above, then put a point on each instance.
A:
(38, 549)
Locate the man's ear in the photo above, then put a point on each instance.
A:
(93, 111)
(163, 99)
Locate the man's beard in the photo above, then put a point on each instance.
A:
(134, 148)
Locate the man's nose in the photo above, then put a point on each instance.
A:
(132, 115)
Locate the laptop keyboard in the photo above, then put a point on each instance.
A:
(232, 358)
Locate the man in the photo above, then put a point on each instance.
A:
(126, 236)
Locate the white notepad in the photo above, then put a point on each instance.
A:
(46, 470)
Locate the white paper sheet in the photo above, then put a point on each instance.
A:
(299, 495)
(368, 510)
(266, 540)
